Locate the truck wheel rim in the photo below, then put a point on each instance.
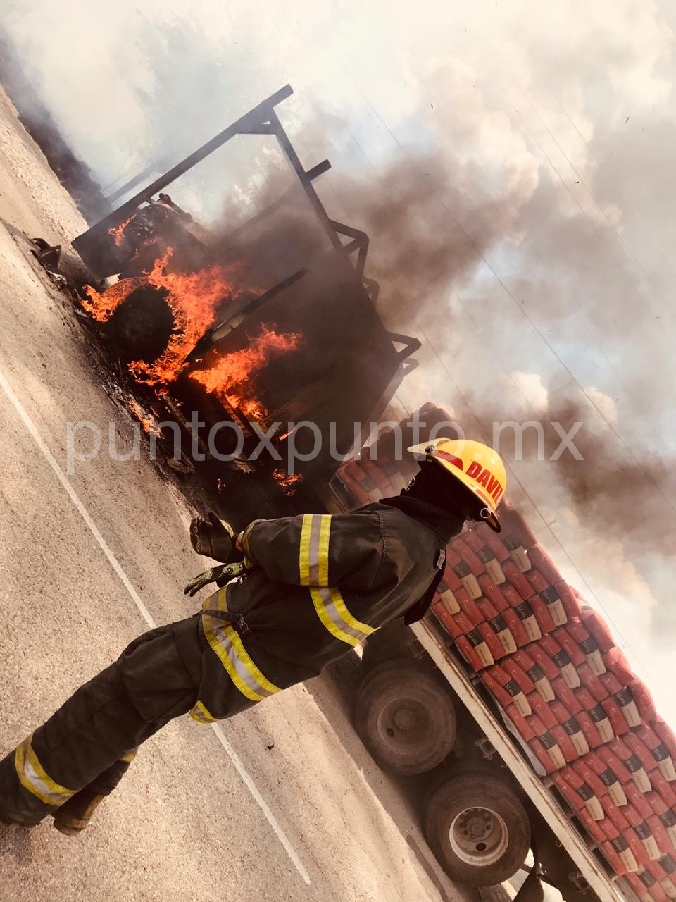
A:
(405, 726)
(478, 836)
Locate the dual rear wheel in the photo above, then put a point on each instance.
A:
(478, 828)
(474, 822)
(405, 718)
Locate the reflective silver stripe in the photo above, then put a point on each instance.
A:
(313, 566)
(244, 673)
(217, 601)
(34, 778)
(319, 549)
(332, 611)
(244, 538)
(201, 714)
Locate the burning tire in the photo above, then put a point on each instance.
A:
(478, 829)
(140, 328)
(405, 718)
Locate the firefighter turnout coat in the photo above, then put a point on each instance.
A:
(317, 586)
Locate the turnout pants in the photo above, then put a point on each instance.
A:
(88, 743)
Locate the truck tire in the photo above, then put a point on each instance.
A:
(141, 327)
(478, 829)
(405, 718)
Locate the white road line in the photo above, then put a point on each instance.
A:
(145, 613)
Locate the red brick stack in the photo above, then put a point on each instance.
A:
(552, 665)
(369, 480)
(384, 468)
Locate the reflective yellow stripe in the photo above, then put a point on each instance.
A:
(323, 550)
(304, 557)
(218, 601)
(227, 644)
(264, 683)
(35, 779)
(351, 621)
(313, 559)
(129, 756)
(320, 608)
(201, 714)
(244, 541)
(333, 613)
(313, 565)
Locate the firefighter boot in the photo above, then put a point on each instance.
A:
(74, 815)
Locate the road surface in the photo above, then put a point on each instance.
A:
(284, 803)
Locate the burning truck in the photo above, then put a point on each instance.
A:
(226, 327)
(511, 692)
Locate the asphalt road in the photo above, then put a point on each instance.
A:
(284, 804)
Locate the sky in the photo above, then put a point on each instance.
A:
(512, 163)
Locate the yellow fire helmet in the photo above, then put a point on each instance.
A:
(477, 466)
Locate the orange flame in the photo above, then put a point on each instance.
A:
(287, 434)
(147, 420)
(102, 304)
(118, 232)
(287, 481)
(231, 375)
(193, 298)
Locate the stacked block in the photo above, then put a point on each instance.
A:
(571, 695)
(551, 663)
(367, 480)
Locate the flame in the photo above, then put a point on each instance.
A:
(193, 298)
(147, 420)
(118, 232)
(286, 435)
(230, 376)
(102, 304)
(287, 481)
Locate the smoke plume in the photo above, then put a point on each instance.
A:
(511, 169)
(619, 492)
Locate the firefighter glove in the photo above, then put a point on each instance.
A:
(214, 538)
(219, 575)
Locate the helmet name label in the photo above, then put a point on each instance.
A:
(485, 478)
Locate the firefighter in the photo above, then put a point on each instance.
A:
(296, 593)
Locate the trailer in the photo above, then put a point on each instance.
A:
(565, 858)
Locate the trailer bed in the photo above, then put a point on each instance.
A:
(434, 641)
